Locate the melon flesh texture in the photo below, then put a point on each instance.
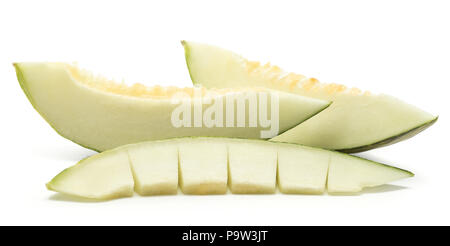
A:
(252, 167)
(211, 165)
(347, 174)
(155, 168)
(302, 170)
(203, 167)
(356, 121)
(100, 114)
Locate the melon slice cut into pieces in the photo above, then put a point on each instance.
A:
(100, 114)
(210, 165)
(203, 167)
(356, 121)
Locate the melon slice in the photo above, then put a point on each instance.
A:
(356, 121)
(210, 165)
(100, 114)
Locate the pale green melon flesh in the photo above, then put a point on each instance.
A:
(302, 170)
(103, 176)
(348, 174)
(355, 121)
(203, 167)
(210, 165)
(155, 168)
(252, 167)
(100, 120)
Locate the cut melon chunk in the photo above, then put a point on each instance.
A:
(210, 165)
(302, 170)
(349, 174)
(155, 168)
(103, 176)
(356, 121)
(203, 167)
(100, 114)
(253, 167)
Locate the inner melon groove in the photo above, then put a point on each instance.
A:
(328, 172)
(101, 83)
(279, 77)
(133, 172)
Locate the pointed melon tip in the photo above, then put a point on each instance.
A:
(435, 119)
(392, 140)
(404, 174)
(16, 66)
(50, 187)
(327, 104)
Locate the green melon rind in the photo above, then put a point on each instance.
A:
(52, 185)
(23, 85)
(385, 142)
(392, 140)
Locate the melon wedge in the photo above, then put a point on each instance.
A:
(212, 165)
(103, 176)
(356, 121)
(100, 114)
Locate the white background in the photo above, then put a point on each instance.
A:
(400, 48)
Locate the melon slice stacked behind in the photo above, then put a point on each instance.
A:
(355, 121)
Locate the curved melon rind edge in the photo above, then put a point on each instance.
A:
(22, 83)
(392, 140)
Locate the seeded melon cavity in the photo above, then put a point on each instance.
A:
(356, 121)
(214, 165)
(101, 114)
